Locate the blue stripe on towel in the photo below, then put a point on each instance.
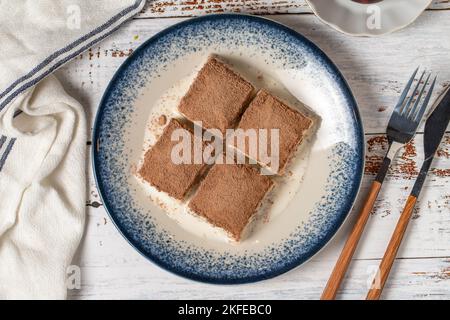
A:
(53, 68)
(56, 54)
(7, 151)
(2, 141)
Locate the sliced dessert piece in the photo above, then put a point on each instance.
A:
(159, 169)
(217, 97)
(229, 197)
(267, 112)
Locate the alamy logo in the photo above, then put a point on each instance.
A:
(236, 146)
(73, 280)
(73, 21)
(374, 17)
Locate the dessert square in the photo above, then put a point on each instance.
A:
(229, 197)
(217, 97)
(165, 175)
(268, 112)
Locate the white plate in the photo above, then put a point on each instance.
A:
(308, 208)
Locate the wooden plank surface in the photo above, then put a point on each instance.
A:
(376, 69)
(410, 279)
(186, 8)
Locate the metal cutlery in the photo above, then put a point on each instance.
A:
(435, 128)
(401, 129)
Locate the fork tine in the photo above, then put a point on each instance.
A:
(405, 91)
(407, 106)
(425, 102)
(413, 110)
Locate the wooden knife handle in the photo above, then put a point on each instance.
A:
(345, 258)
(392, 249)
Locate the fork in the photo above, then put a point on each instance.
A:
(401, 129)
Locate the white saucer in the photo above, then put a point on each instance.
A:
(375, 19)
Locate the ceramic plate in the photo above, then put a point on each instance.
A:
(314, 198)
(370, 19)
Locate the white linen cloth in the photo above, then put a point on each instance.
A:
(43, 146)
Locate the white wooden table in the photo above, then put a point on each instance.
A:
(376, 69)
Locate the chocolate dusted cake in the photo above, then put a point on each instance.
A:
(229, 197)
(217, 97)
(268, 112)
(160, 171)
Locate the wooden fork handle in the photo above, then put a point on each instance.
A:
(391, 251)
(345, 258)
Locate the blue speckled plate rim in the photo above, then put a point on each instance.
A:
(351, 103)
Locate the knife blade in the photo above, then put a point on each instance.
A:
(435, 128)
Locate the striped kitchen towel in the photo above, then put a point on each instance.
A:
(43, 137)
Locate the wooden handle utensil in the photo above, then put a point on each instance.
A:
(345, 258)
(391, 251)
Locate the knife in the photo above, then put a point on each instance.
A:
(435, 128)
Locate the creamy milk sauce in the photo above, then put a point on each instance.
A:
(274, 203)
